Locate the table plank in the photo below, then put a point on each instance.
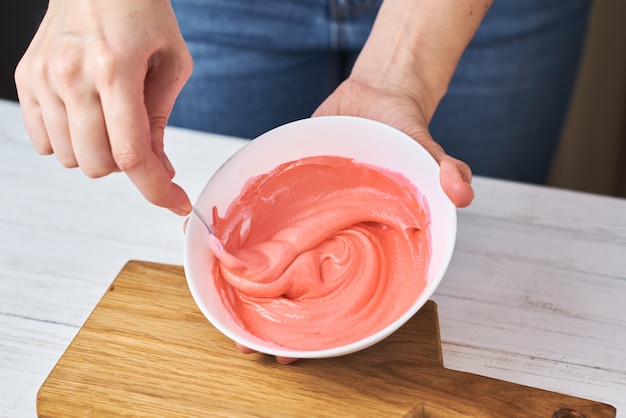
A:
(539, 303)
(535, 293)
(163, 358)
(28, 350)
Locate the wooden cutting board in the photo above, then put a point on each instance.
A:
(147, 351)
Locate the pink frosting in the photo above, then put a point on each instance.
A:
(321, 252)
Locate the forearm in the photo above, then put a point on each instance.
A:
(415, 46)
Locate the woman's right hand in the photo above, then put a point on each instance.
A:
(97, 85)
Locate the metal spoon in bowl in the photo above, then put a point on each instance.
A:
(214, 241)
(197, 212)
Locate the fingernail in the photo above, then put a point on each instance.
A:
(216, 246)
(285, 361)
(180, 211)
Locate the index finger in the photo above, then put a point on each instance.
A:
(128, 127)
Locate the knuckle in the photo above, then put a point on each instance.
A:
(179, 64)
(29, 71)
(186, 64)
(20, 75)
(67, 160)
(107, 65)
(96, 171)
(127, 159)
(42, 147)
(98, 165)
(158, 121)
(66, 70)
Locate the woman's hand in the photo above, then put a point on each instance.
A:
(354, 98)
(402, 74)
(404, 70)
(97, 85)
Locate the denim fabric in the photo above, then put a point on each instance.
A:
(505, 107)
(262, 63)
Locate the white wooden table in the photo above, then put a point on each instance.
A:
(535, 293)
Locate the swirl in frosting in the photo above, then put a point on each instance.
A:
(322, 252)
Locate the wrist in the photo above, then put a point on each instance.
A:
(414, 47)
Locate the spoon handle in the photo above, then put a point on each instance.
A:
(203, 219)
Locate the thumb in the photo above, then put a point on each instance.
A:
(157, 135)
(163, 82)
(167, 74)
(456, 181)
(455, 176)
(158, 110)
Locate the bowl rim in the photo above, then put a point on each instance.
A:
(431, 286)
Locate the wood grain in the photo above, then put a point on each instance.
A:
(534, 294)
(146, 350)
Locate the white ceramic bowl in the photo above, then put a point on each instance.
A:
(361, 139)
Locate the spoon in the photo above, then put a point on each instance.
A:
(214, 241)
(197, 212)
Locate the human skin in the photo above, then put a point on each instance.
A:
(96, 87)
(404, 70)
(100, 78)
